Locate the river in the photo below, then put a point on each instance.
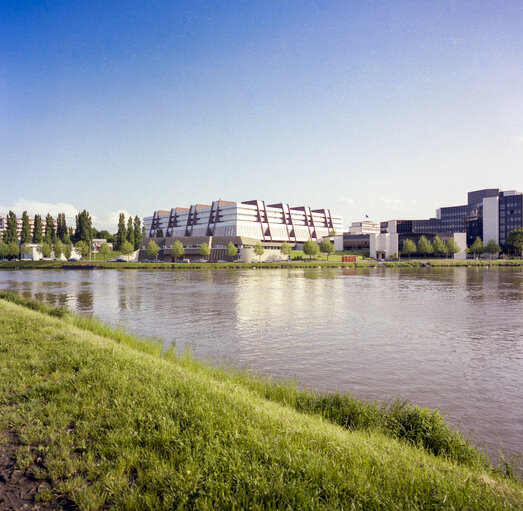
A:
(446, 338)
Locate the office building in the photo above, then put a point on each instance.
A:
(243, 223)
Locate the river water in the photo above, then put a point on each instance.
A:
(448, 338)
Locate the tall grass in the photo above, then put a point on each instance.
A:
(418, 426)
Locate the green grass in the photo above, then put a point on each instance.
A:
(334, 262)
(110, 421)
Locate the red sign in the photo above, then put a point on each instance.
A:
(348, 259)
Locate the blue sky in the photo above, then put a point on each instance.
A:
(390, 109)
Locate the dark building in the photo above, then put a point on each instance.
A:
(510, 215)
(356, 242)
(488, 214)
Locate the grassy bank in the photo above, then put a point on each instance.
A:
(102, 419)
(33, 265)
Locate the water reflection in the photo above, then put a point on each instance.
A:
(448, 338)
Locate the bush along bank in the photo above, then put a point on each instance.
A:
(97, 418)
(34, 265)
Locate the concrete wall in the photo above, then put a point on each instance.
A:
(490, 219)
(461, 240)
(387, 243)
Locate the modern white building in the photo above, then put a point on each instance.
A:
(243, 223)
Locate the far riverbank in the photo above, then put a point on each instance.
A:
(414, 263)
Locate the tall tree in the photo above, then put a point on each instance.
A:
(425, 246)
(477, 247)
(25, 234)
(492, 248)
(409, 247)
(105, 250)
(515, 239)
(205, 249)
(68, 248)
(127, 249)
(452, 246)
(37, 230)
(130, 231)
(50, 234)
(231, 249)
(45, 249)
(58, 248)
(3, 250)
(61, 227)
(311, 248)
(439, 246)
(327, 247)
(84, 228)
(11, 231)
(286, 249)
(27, 250)
(138, 237)
(259, 250)
(82, 247)
(178, 249)
(152, 249)
(121, 235)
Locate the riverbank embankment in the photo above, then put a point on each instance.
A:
(101, 265)
(96, 418)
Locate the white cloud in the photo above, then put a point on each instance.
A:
(519, 139)
(394, 204)
(110, 220)
(347, 201)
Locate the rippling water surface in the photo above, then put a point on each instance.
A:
(449, 338)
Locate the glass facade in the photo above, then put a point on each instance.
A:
(454, 219)
(510, 215)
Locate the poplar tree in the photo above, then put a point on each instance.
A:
(409, 247)
(152, 249)
(37, 230)
(259, 250)
(137, 232)
(452, 246)
(326, 247)
(105, 250)
(311, 248)
(127, 249)
(477, 247)
(58, 249)
(68, 248)
(84, 228)
(121, 235)
(492, 248)
(11, 231)
(286, 249)
(178, 249)
(50, 234)
(205, 249)
(439, 246)
(61, 227)
(231, 249)
(25, 234)
(424, 246)
(130, 231)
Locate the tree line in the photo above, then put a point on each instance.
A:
(61, 239)
(439, 247)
